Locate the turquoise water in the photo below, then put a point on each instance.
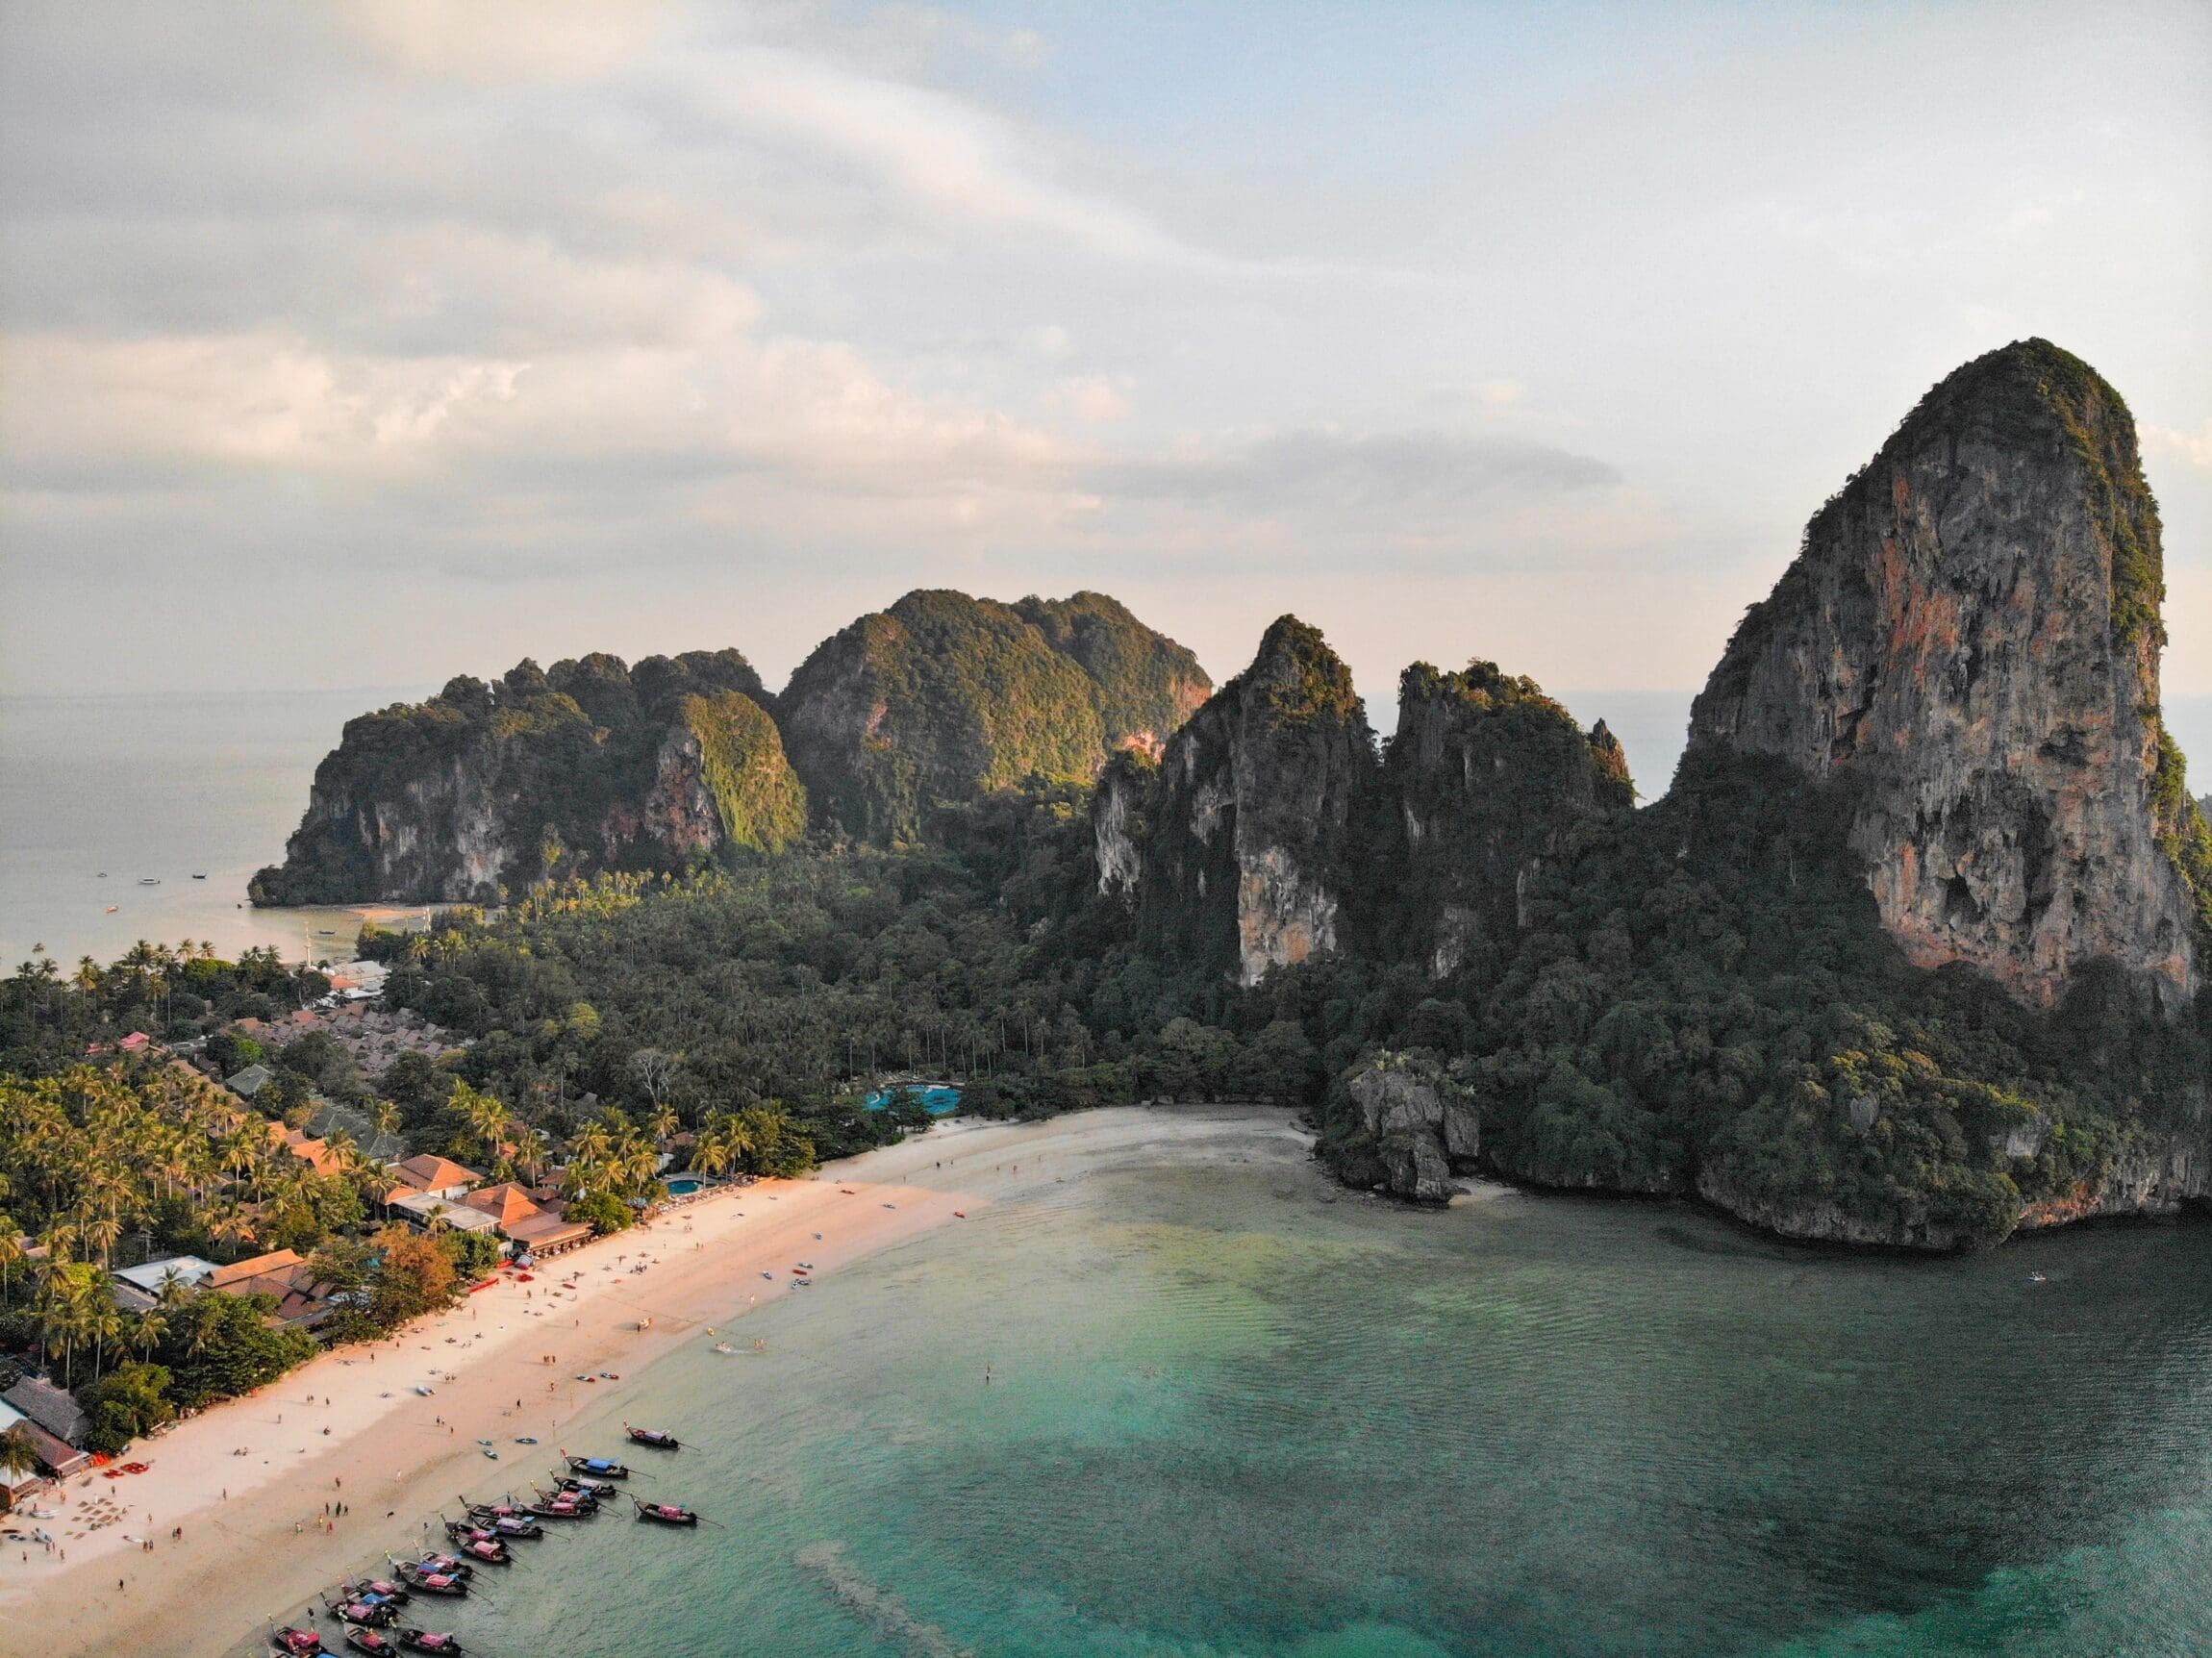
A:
(1227, 1416)
(937, 1100)
(681, 1187)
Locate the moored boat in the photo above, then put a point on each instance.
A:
(375, 1589)
(653, 1437)
(591, 1488)
(371, 1613)
(372, 1642)
(296, 1642)
(597, 1466)
(426, 1581)
(666, 1513)
(429, 1641)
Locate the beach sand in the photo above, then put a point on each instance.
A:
(255, 1549)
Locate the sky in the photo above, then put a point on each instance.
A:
(366, 345)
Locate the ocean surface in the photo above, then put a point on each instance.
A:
(1226, 1416)
(166, 788)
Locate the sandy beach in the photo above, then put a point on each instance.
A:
(257, 1544)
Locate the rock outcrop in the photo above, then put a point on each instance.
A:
(943, 698)
(1408, 1129)
(1485, 779)
(1970, 641)
(1242, 863)
(593, 766)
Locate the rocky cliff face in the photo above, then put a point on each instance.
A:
(1486, 778)
(590, 766)
(943, 697)
(1970, 641)
(1243, 862)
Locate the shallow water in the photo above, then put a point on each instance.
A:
(1227, 1416)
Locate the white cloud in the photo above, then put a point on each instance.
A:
(2193, 447)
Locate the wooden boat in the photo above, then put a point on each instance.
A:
(371, 1642)
(375, 1589)
(296, 1642)
(666, 1513)
(499, 1531)
(425, 1641)
(425, 1581)
(599, 1467)
(591, 1488)
(653, 1437)
(490, 1550)
(370, 1614)
(564, 1505)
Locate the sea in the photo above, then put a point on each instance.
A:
(1229, 1410)
(102, 794)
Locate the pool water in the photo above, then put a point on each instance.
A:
(683, 1186)
(940, 1099)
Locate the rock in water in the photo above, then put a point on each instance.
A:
(1969, 641)
(1409, 1127)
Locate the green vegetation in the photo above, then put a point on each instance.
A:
(944, 698)
(553, 771)
(758, 798)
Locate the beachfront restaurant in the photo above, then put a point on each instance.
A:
(55, 1423)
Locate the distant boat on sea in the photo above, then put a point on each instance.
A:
(149, 880)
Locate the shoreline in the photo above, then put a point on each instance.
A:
(399, 1456)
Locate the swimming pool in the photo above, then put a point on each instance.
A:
(941, 1099)
(683, 1186)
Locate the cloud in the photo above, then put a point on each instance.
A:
(1413, 473)
(2195, 448)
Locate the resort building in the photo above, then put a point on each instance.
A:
(425, 1207)
(139, 1287)
(302, 1300)
(53, 1422)
(438, 1177)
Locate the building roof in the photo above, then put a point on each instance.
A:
(249, 1081)
(505, 1203)
(149, 1276)
(427, 1206)
(548, 1232)
(49, 1408)
(259, 1266)
(62, 1459)
(428, 1173)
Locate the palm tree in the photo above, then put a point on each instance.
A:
(12, 1254)
(18, 1454)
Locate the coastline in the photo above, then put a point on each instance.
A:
(397, 1457)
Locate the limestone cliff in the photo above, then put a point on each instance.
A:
(1969, 641)
(1402, 1126)
(943, 697)
(1486, 778)
(593, 766)
(1242, 864)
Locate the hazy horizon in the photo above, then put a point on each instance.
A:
(376, 346)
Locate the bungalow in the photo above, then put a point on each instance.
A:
(423, 1208)
(302, 1300)
(439, 1176)
(139, 1287)
(55, 1456)
(49, 1409)
(546, 1233)
(249, 1081)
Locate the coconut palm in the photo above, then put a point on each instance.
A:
(18, 1452)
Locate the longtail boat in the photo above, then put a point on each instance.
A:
(429, 1582)
(599, 1466)
(593, 1488)
(564, 1505)
(489, 1550)
(445, 1563)
(666, 1513)
(375, 1589)
(373, 1613)
(369, 1642)
(427, 1640)
(652, 1437)
(297, 1642)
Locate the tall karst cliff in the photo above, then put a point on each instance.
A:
(1969, 641)
(1235, 851)
(591, 765)
(942, 698)
(1270, 832)
(1486, 778)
